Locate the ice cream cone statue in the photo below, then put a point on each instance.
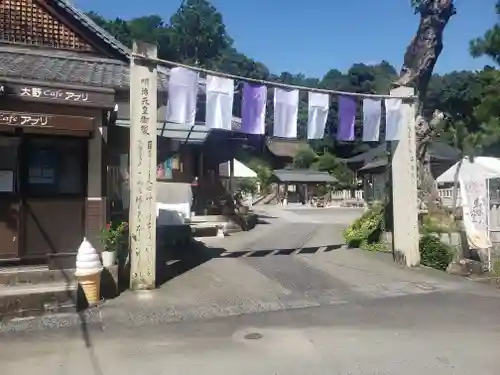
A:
(88, 271)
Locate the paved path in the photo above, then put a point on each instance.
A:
(248, 309)
(285, 264)
(450, 333)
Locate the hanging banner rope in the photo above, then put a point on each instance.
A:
(182, 96)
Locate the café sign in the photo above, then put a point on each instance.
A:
(39, 120)
(90, 98)
(54, 94)
(24, 119)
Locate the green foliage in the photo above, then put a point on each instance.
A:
(489, 44)
(304, 158)
(375, 246)
(264, 172)
(434, 253)
(114, 235)
(496, 268)
(327, 162)
(438, 223)
(198, 32)
(367, 229)
(248, 185)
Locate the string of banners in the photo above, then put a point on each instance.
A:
(183, 93)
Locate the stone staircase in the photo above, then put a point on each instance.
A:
(32, 291)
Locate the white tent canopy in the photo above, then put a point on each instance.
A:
(482, 167)
(240, 170)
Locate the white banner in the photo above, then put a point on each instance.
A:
(474, 194)
(219, 107)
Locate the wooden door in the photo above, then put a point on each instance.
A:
(9, 229)
(9, 199)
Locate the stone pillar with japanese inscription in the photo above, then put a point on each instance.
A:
(143, 123)
(404, 186)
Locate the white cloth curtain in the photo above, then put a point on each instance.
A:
(317, 115)
(286, 107)
(219, 106)
(372, 113)
(182, 95)
(393, 119)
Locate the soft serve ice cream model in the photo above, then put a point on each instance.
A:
(88, 271)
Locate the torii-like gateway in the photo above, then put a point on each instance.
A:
(143, 149)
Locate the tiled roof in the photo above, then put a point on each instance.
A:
(107, 38)
(303, 175)
(285, 147)
(66, 67)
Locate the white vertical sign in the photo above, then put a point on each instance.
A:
(474, 194)
(143, 118)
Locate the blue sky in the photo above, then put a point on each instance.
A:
(314, 36)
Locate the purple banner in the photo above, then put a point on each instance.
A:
(253, 109)
(347, 118)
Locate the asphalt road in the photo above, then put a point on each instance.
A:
(250, 310)
(437, 333)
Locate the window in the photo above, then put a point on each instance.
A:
(56, 166)
(8, 164)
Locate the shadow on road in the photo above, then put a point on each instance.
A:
(177, 260)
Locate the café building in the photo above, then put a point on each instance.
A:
(59, 73)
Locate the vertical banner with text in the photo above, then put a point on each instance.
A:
(143, 124)
(475, 206)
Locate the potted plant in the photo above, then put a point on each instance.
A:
(113, 237)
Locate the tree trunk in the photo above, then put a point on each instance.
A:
(419, 61)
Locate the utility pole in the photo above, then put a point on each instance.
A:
(405, 234)
(143, 149)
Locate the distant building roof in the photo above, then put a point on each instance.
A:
(302, 176)
(377, 157)
(285, 147)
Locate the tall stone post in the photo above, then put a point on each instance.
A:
(404, 187)
(143, 123)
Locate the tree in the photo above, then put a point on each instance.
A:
(329, 163)
(489, 43)
(199, 33)
(264, 172)
(304, 158)
(419, 61)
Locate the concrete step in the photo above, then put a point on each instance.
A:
(18, 301)
(208, 219)
(34, 275)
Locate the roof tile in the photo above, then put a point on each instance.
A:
(67, 67)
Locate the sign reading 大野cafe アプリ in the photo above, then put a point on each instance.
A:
(99, 97)
(40, 120)
(54, 94)
(24, 119)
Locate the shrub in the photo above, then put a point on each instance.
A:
(434, 253)
(366, 229)
(438, 223)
